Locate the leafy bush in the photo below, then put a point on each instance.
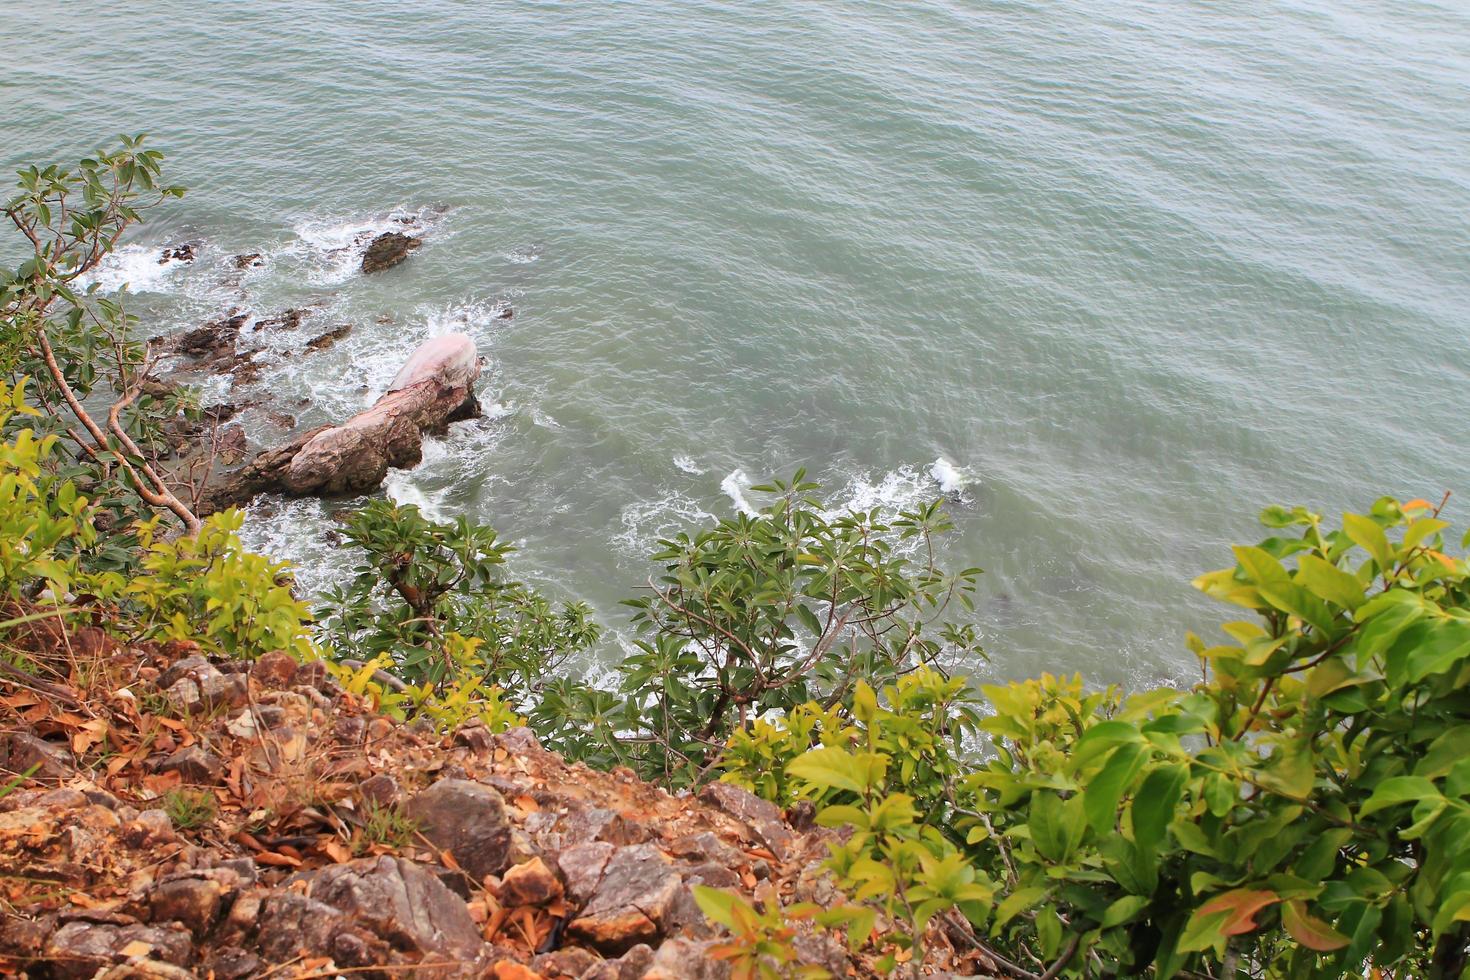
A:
(43, 520)
(765, 613)
(1300, 813)
(208, 588)
(430, 606)
(93, 373)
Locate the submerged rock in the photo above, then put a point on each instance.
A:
(387, 250)
(187, 252)
(329, 338)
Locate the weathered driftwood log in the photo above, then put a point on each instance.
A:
(435, 387)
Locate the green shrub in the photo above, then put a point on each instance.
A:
(1300, 813)
(430, 606)
(766, 613)
(207, 588)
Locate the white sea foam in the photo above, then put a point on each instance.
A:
(296, 531)
(524, 254)
(645, 522)
(405, 486)
(135, 266)
(544, 420)
(896, 490)
(734, 486)
(688, 465)
(333, 246)
(952, 479)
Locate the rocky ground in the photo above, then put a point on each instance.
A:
(226, 819)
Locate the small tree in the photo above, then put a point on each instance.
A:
(77, 344)
(431, 598)
(764, 613)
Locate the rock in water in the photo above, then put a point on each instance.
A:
(435, 387)
(387, 250)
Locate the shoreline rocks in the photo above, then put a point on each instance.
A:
(434, 388)
(387, 250)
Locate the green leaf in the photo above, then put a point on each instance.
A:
(717, 904)
(1101, 737)
(1366, 534)
(1123, 910)
(1056, 826)
(1396, 790)
(1328, 582)
(1105, 790)
(1153, 807)
(1017, 902)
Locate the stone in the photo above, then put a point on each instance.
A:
(81, 949)
(434, 389)
(581, 868)
(21, 751)
(148, 829)
(250, 260)
(232, 963)
(323, 341)
(224, 690)
(706, 847)
(194, 764)
(184, 695)
(530, 883)
(275, 670)
(292, 925)
(193, 667)
(187, 252)
(23, 937)
(400, 902)
(639, 889)
(284, 320)
(466, 819)
(214, 342)
(682, 959)
(379, 790)
(570, 962)
(763, 818)
(635, 962)
(387, 250)
(231, 445)
(192, 902)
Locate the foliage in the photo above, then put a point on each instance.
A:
(43, 520)
(190, 808)
(1300, 813)
(765, 613)
(430, 606)
(80, 346)
(760, 945)
(208, 588)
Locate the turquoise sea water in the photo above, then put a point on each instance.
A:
(1132, 269)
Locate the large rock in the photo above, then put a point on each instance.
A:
(467, 820)
(681, 959)
(633, 904)
(80, 949)
(402, 903)
(435, 387)
(387, 250)
(764, 820)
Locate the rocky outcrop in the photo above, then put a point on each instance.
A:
(434, 388)
(503, 860)
(387, 250)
